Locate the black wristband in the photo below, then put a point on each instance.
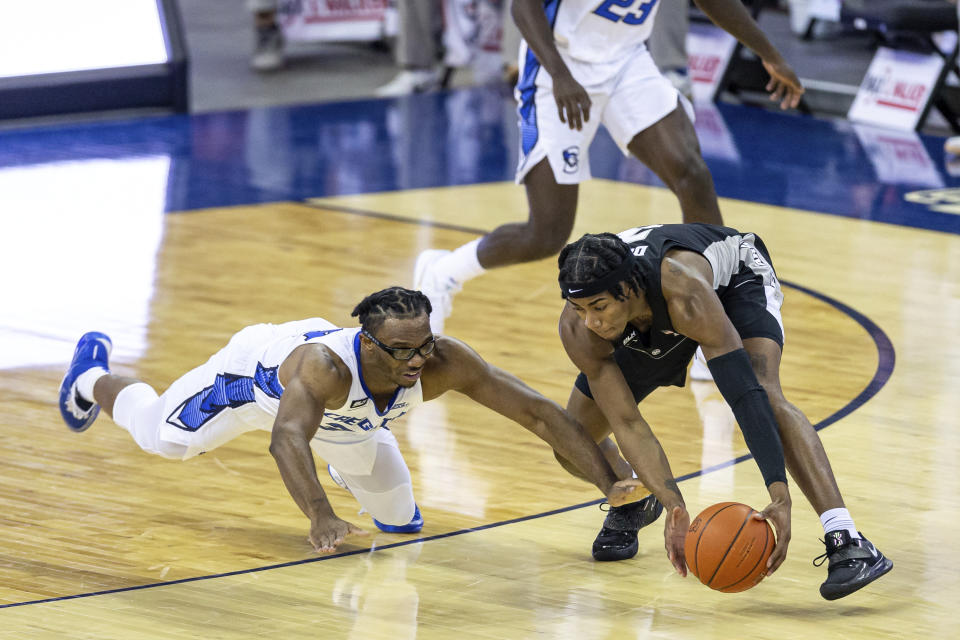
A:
(740, 388)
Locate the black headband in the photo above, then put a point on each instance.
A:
(624, 271)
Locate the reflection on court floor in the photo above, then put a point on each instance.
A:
(296, 230)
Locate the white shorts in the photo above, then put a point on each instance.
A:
(238, 357)
(236, 417)
(627, 97)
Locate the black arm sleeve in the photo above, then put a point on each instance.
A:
(740, 388)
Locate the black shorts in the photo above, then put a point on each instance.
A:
(754, 310)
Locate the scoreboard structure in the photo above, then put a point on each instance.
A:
(64, 56)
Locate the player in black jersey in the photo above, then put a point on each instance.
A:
(638, 305)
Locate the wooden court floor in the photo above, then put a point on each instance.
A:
(101, 540)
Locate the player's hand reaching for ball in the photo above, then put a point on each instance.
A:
(675, 537)
(327, 533)
(573, 101)
(778, 514)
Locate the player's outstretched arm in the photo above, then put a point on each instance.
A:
(733, 17)
(573, 101)
(643, 451)
(639, 445)
(686, 280)
(298, 417)
(457, 367)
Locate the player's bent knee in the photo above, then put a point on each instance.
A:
(138, 409)
(692, 173)
(554, 244)
(568, 466)
(778, 402)
(170, 450)
(545, 241)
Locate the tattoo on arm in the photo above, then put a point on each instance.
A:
(672, 486)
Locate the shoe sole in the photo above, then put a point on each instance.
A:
(402, 528)
(625, 553)
(414, 526)
(841, 591)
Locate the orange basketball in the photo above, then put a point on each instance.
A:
(727, 548)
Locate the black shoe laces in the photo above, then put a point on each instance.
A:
(819, 560)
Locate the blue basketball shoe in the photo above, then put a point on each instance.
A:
(414, 526)
(93, 350)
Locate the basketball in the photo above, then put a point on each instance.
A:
(727, 548)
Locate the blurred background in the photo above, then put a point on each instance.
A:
(210, 55)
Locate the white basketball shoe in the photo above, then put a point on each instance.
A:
(411, 81)
(438, 287)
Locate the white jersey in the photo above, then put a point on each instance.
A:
(358, 416)
(240, 385)
(599, 31)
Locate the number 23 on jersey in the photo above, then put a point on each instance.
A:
(637, 16)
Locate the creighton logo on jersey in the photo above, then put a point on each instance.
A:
(571, 159)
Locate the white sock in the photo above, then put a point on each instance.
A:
(87, 379)
(462, 264)
(834, 519)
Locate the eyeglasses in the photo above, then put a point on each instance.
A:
(404, 353)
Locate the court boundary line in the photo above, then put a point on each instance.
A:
(885, 366)
(392, 217)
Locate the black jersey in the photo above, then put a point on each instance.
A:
(659, 356)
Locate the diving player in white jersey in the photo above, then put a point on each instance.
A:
(337, 390)
(583, 63)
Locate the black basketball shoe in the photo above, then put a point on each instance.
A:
(617, 539)
(853, 564)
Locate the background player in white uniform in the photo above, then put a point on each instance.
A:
(336, 390)
(582, 63)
